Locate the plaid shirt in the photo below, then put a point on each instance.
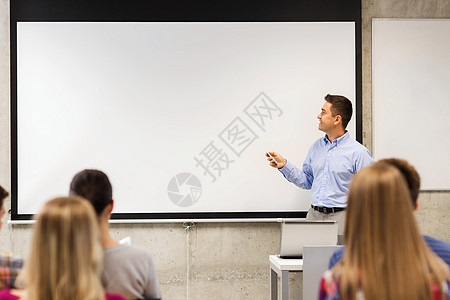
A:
(9, 269)
(329, 289)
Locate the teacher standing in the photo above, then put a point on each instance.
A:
(329, 165)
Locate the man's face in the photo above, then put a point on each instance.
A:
(326, 119)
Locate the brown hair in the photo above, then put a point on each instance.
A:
(340, 105)
(94, 186)
(410, 174)
(3, 195)
(385, 254)
(66, 254)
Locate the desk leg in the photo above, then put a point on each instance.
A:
(284, 285)
(273, 285)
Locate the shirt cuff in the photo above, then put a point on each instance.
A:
(287, 169)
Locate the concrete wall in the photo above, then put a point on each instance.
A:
(225, 260)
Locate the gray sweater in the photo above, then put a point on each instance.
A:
(129, 271)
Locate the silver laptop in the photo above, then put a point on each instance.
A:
(296, 234)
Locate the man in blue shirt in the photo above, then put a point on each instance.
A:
(441, 248)
(329, 165)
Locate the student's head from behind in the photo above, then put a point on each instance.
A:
(3, 195)
(66, 254)
(94, 186)
(339, 106)
(378, 202)
(410, 174)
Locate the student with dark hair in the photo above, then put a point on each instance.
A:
(412, 178)
(126, 270)
(385, 256)
(10, 265)
(329, 165)
(65, 256)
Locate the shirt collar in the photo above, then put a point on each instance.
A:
(339, 140)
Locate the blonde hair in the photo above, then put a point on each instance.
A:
(385, 254)
(66, 254)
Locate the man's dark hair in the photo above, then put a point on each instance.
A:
(93, 185)
(3, 195)
(410, 174)
(340, 105)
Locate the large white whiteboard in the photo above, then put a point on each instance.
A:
(150, 102)
(410, 95)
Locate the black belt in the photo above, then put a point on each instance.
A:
(327, 210)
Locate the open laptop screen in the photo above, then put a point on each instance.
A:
(296, 234)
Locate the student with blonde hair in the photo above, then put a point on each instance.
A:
(412, 177)
(65, 256)
(385, 256)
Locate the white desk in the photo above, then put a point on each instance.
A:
(282, 267)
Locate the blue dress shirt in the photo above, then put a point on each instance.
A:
(328, 169)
